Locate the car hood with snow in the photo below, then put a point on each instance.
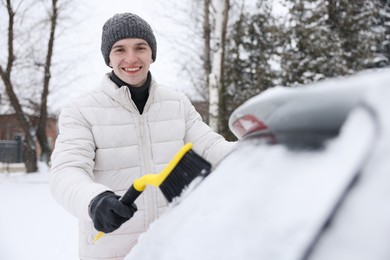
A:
(269, 200)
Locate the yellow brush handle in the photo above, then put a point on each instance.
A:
(154, 179)
(98, 236)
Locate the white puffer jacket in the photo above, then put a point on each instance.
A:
(105, 144)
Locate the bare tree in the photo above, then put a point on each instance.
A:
(31, 55)
(218, 51)
(41, 128)
(29, 149)
(206, 39)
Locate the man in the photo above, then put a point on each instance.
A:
(129, 127)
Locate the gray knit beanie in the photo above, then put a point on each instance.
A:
(123, 26)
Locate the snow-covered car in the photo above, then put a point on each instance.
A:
(309, 179)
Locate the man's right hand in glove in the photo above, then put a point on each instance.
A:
(108, 213)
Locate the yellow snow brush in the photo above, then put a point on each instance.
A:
(185, 166)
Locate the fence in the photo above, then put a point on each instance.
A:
(11, 151)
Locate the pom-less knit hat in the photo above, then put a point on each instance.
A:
(123, 26)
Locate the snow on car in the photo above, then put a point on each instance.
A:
(309, 179)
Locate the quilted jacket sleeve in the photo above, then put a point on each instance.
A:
(210, 145)
(71, 174)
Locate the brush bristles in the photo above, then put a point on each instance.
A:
(190, 166)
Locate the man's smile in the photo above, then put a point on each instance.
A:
(133, 69)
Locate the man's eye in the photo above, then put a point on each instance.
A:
(118, 50)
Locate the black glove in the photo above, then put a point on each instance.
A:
(108, 213)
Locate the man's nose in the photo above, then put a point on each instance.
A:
(130, 56)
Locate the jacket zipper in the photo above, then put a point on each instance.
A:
(150, 212)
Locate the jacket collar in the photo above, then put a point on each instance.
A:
(122, 94)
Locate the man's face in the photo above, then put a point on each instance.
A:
(130, 60)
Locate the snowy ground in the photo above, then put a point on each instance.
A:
(32, 225)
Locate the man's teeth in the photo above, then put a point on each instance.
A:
(131, 69)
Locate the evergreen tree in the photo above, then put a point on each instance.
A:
(385, 23)
(251, 56)
(313, 50)
(360, 33)
(330, 38)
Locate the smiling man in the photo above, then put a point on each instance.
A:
(129, 127)
(130, 60)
